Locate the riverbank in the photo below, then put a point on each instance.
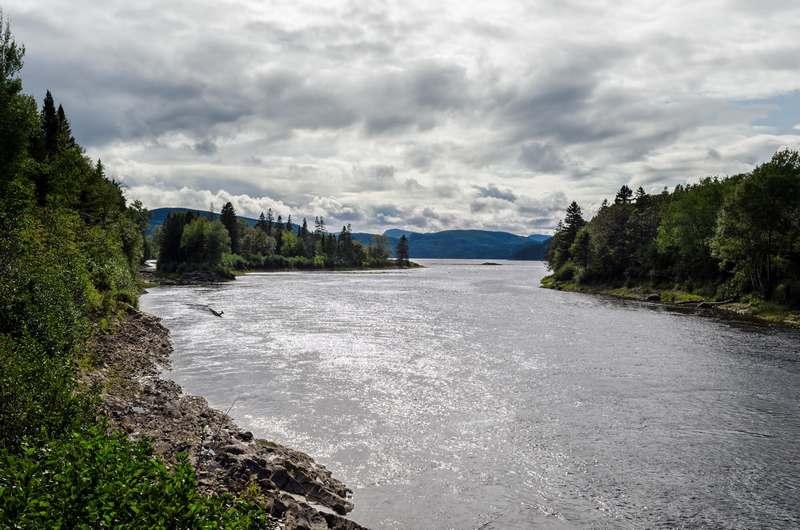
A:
(755, 310)
(126, 364)
(151, 277)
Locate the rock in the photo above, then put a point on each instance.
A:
(655, 297)
(298, 492)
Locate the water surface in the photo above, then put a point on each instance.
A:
(464, 396)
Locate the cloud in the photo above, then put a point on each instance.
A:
(205, 147)
(540, 157)
(492, 191)
(415, 114)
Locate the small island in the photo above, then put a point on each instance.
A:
(196, 248)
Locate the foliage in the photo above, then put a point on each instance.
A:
(732, 237)
(758, 229)
(91, 479)
(190, 243)
(70, 247)
(402, 250)
(228, 219)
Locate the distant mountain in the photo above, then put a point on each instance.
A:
(467, 244)
(473, 244)
(536, 250)
(455, 244)
(539, 238)
(398, 233)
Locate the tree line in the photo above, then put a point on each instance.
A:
(70, 245)
(188, 241)
(723, 237)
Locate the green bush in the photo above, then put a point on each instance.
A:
(91, 479)
(565, 273)
(69, 249)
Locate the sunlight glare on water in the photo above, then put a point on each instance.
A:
(464, 396)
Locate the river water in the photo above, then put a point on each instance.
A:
(464, 396)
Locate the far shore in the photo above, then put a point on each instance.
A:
(754, 311)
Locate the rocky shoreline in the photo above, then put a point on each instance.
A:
(298, 492)
(726, 308)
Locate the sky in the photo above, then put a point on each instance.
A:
(416, 114)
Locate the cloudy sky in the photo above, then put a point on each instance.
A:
(400, 114)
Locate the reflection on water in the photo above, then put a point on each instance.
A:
(463, 396)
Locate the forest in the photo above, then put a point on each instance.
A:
(189, 242)
(734, 238)
(70, 247)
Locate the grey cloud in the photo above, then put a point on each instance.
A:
(540, 157)
(285, 100)
(206, 147)
(492, 191)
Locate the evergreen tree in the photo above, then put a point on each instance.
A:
(261, 224)
(302, 231)
(289, 222)
(231, 223)
(346, 251)
(624, 195)
(17, 128)
(270, 221)
(402, 251)
(564, 237)
(640, 198)
(65, 138)
(50, 125)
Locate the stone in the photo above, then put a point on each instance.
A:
(298, 492)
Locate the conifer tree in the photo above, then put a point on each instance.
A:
(402, 251)
(261, 224)
(65, 139)
(270, 221)
(50, 125)
(623, 195)
(228, 218)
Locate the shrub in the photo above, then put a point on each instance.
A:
(565, 273)
(91, 479)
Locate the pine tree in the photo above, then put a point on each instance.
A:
(402, 251)
(623, 195)
(345, 251)
(289, 222)
(573, 220)
(228, 218)
(302, 232)
(559, 251)
(50, 125)
(261, 224)
(65, 139)
(270, 221)
(279, 225)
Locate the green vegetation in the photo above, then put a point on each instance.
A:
(732, 239)
(91, 479)
(189, 242)
(69, 248)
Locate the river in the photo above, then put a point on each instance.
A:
(463, 396)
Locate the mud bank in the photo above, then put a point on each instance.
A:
(298, 492)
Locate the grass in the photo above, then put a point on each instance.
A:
(750, 307)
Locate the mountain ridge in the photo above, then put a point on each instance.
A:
(445, 244)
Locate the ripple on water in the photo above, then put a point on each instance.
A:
(460, 396)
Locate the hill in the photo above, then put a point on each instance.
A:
(453, 244)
